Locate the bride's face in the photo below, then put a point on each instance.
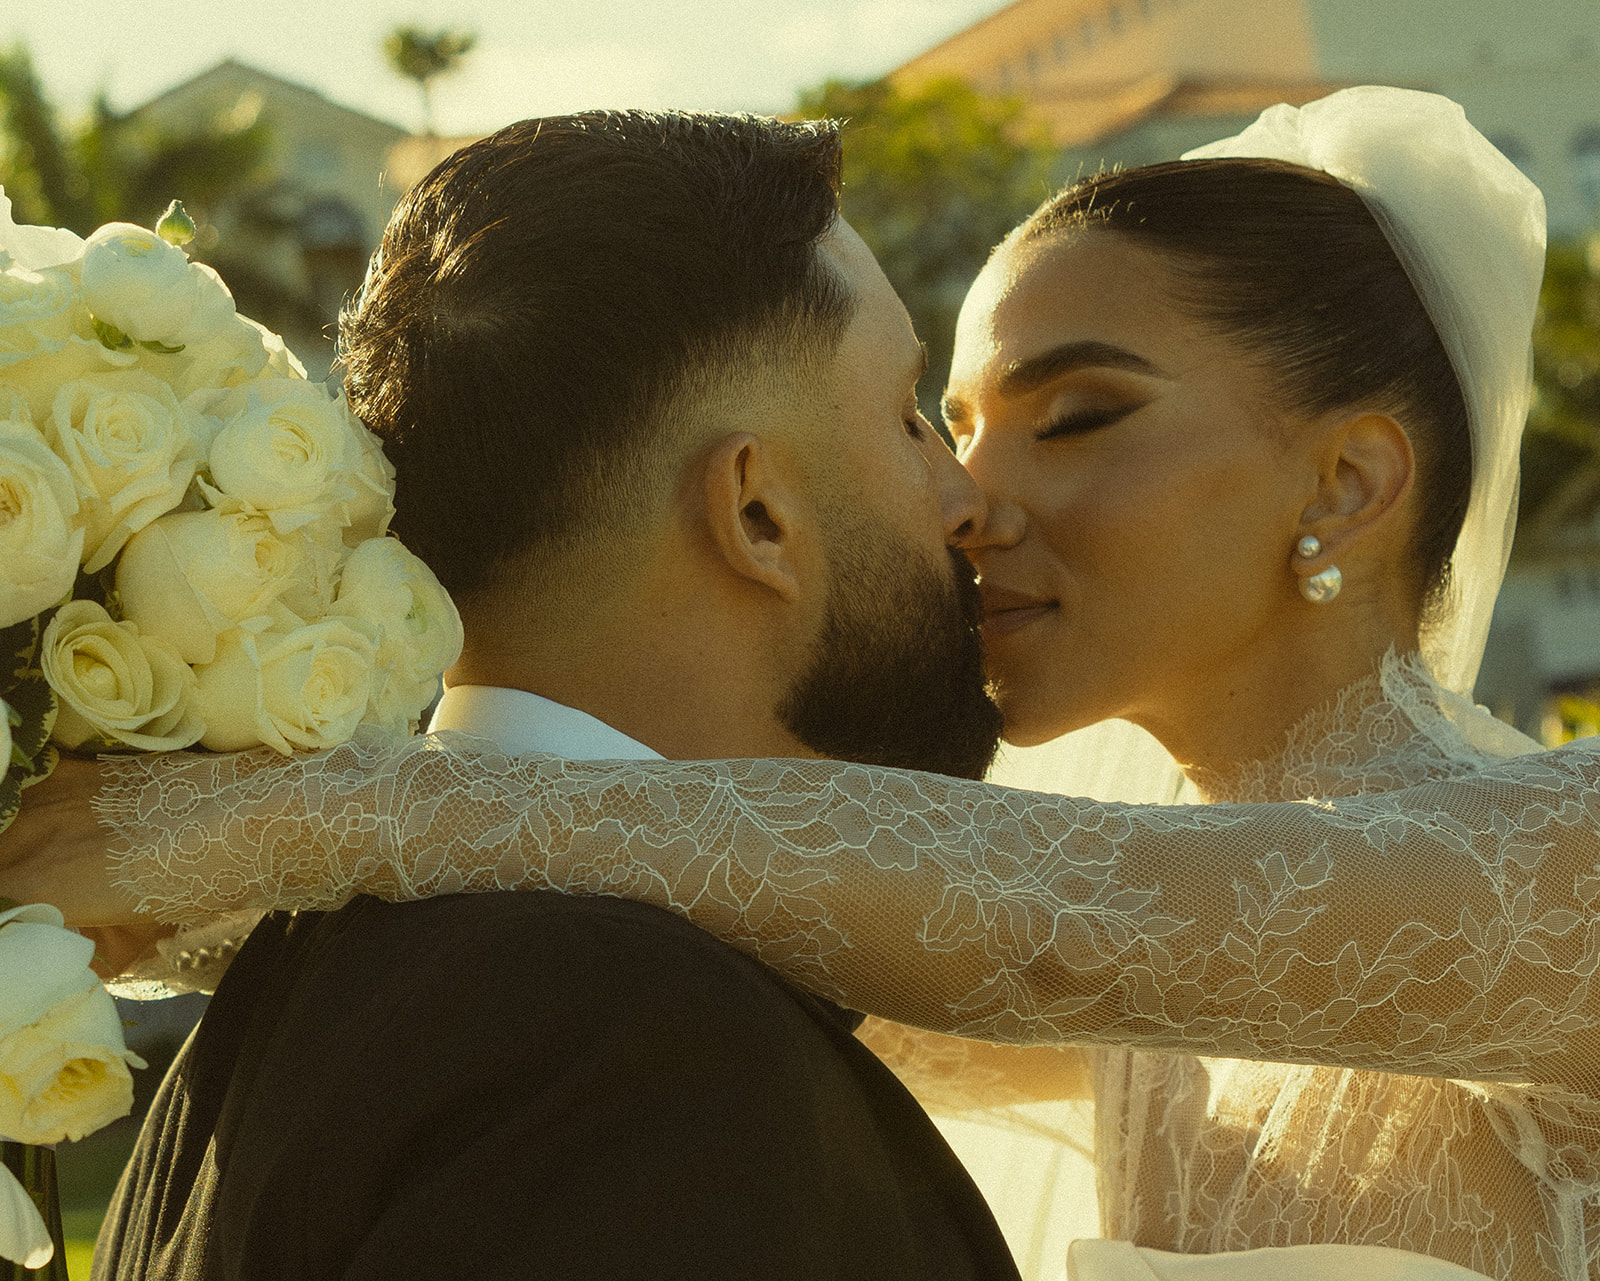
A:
(1144, 494)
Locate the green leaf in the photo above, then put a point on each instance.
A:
(36, 701)
(110, 336)
(161, 348)
(19, 650)
(10, 799)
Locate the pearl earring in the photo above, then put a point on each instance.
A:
(1319, 589)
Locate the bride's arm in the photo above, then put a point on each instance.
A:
(1449, 929)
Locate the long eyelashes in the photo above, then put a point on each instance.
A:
(1082, 421)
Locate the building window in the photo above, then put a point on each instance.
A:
(1116, 19)
(1147, 9)
(1062, 46)
(1586, 168)
(1086, 33)
(1005, 78)
(1034, 61)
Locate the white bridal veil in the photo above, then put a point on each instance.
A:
(1469, 229)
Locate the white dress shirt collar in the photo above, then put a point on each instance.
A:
(519, 722)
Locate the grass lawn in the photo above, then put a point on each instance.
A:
(87, 1172)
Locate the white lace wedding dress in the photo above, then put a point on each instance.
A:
(1368, 1018)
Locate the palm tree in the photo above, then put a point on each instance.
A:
(423, 56)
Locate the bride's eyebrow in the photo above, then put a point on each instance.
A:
(1029, 375)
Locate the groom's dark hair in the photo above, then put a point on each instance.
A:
(552, 307)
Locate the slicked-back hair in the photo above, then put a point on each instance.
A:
(549, 306)
(1290, 264)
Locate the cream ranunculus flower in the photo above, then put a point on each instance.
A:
(368, 514)
(308, 688)
(419, 629)
(136, 282)
(132, 450)
(41, 541)
(287, 448)
(191, 576)
(36, 247)
(117, 685)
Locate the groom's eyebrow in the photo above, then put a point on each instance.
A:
(1029, 375)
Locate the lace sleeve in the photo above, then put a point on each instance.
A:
(1447, 929)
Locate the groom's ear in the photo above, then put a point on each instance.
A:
(754, 512)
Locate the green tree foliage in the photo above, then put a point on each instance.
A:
(112, 167)
(423, 56)
(933, 179)
(1561, 453)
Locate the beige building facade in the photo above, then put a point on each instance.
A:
(1134, 81)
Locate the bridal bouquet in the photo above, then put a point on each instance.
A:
(193, 550)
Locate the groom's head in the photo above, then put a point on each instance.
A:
(652, 409)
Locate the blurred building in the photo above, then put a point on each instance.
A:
(1541, 670)
(298, 242)
(1136, 81)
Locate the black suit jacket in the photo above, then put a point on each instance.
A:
(530, 1085)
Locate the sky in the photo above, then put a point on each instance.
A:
(534, 57)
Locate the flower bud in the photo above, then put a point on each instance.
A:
(175, 226)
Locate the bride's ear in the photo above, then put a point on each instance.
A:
(1365, 471)
(753, 513)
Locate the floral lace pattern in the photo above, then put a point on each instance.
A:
(1445, 931)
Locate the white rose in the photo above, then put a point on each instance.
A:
(45, 982)
(63, 1062)
(24, 1238)
(63, 1077)
(136, 282)
(309, 688)
(132, 450)
(36, 247)
(116, 684)
(37, 379)
(36, 312)
(191, 576)
(419, 628)
(41, 542)
(287, 448)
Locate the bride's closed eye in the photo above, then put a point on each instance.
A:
(1079, 422)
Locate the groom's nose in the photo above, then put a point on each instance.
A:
(962, 507)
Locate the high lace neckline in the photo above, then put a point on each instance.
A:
(1395, 728)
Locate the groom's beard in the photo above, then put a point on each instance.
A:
(897, 675)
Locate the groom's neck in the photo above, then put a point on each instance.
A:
(663, 673)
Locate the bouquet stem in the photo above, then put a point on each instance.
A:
(35, 1168)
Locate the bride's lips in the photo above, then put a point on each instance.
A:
(1006, 611)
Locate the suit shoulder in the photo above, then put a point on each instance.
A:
(556, 948)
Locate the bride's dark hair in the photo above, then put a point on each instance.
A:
(1290, 264)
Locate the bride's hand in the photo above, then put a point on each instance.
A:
(57, 852)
